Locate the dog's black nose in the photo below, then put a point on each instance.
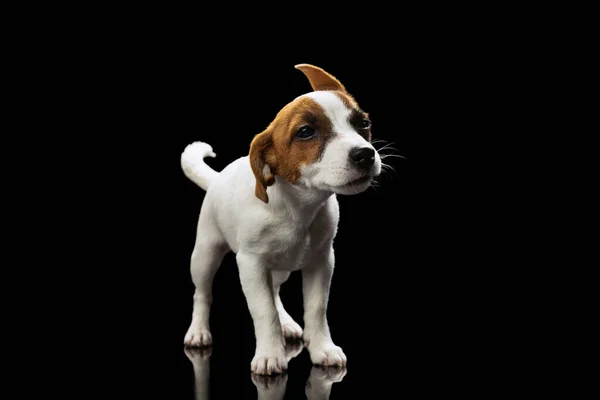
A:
(364, 157)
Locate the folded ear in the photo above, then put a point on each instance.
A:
(319, 79)
(261, 149)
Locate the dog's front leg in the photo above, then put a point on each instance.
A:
(258, 288)
(316, 279)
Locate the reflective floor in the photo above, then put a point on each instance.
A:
(411, 349)
(425, 349)
(412, 335)
(318, 385)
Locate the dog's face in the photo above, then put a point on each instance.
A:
(320, 140)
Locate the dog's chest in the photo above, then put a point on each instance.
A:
(284, 245)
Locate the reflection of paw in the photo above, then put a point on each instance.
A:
(197, 337)
(318, 385)
(200, 358)
(269, 362)
(266, 382)
(327, 374)
(327, 354)
(291, 330)
(293, 348)
(195, 354)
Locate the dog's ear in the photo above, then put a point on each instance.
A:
(261, 150)
(320, 79)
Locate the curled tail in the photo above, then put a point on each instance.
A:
(193, 165)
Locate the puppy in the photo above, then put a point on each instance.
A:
(277, 210)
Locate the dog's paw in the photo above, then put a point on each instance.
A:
(291, 330)
(327, 354)
(293, 348)
(269, 362)
(197, 337)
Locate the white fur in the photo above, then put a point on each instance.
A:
(294, 231)
(193, 166)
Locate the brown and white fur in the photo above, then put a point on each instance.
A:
(277, 210)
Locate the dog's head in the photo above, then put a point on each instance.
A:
(320, 140)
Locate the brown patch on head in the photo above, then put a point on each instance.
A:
(278, 151)
(322, 80)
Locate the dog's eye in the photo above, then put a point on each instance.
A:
(305, 132)
(365, 123)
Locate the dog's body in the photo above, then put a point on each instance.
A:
(277, 210)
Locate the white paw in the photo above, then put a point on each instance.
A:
(327, 354)
(197, 337)
(269, 362)
(291, 330)
(293, 348)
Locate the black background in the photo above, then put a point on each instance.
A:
(438, 279)
(410, 302)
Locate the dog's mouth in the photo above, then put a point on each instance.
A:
(359, 181)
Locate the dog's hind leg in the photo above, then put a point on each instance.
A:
(291, 330)
(207, 256)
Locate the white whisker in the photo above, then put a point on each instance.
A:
(386, 165)
(388, 147)
(387, 171)
(384, 156)
(377, 141)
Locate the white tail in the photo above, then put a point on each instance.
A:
(193, 165)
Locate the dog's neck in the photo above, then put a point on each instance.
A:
(296, 200)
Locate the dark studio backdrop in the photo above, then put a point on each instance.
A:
(426, 294)
(407, 301)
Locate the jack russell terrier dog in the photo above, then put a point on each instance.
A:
(277, 210)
